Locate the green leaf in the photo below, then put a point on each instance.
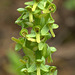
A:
(29, 53)
(48, 36)
(32, 68)
(48, 66)
(28, 8)
(44, 30)
(36, 11)
(32, 31)
(24, 70)
(47, 73)
(43, 60)
(50, 21)
(49, 55)
(20, 9)
(29, 24)
(19, 19)
(26, 15)
(41, 46)
(50, 58)
(38, 54)
(16, 40)
(29, 3)
(48, 51)
(47, 4)
(18, 47)
(44, 68)
(22, 39)
(34, 73)
(39, 60)
(44, 51)
(54, 26)
(35, 48)
(41, 5)
(53, 49)
(42, 21)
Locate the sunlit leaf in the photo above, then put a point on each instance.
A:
(32, 68)
(41, 5)
(18, 47)
(29, 24)
(44, 68)
(54, 26)
(53, 49)
(29, 3)
(44, 30)
(41, 46)
(20, 9)
(16, 40)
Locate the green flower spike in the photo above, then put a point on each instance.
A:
(36, 16)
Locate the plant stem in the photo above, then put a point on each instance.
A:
(38, 70)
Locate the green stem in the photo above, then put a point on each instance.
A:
(51, 17)
(38, 70)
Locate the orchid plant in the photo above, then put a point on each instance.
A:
(37, 16)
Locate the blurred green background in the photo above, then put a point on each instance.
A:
(64, 41)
